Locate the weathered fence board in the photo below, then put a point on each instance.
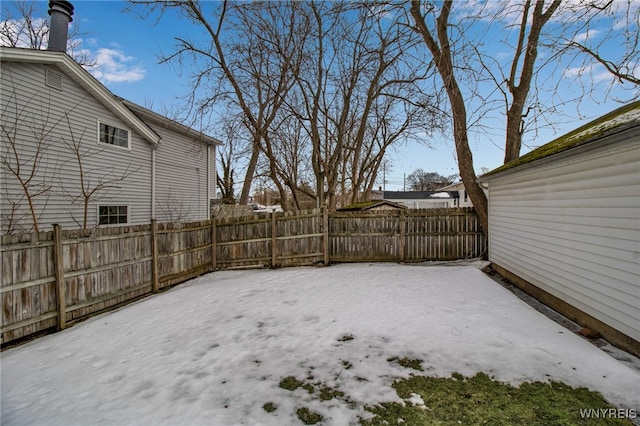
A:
(106, 267)
(98, 270)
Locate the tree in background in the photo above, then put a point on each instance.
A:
(235, 64)
(419, 180)
(324, 88)
(361, 92)
(22, 27)
(478, 82)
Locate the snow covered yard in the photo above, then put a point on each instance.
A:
(214, 350)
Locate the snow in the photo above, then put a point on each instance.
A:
(440, 195)
(214, 350)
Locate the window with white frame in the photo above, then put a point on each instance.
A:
(112, 135)
(113, 215)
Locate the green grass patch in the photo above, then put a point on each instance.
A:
(415, 364)
(291, 383)
(269, 407)
(346, 338)
(481, 400)
(308, 417)
(326, 393)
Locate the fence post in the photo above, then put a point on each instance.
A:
(58, 265)
(274, 254)
(154, 256)
(402, 236)
(214, 260)
(325, 237)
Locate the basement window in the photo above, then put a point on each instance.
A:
(113, 135)
(113, 215)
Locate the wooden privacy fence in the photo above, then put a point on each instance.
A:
(304, 237)
(52, 278)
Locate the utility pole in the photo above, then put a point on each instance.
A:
(384, 176)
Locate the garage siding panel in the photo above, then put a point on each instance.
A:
(571, 227)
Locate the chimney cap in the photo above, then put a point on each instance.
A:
(62, 6)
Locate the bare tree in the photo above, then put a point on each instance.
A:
(174, 209)
(437, 41)
(95, 182)
(324, 88)
(25, 25)
(454, 41)
(226, 181)
(419, 180)
(24, 140)
(227, 159)
(23, 28)
(360, 91)
(230, 73)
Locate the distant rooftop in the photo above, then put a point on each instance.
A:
(418, 195)
(368, 205)
(616, 121)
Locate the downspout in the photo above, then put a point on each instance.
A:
(208, 206)
(153, 181)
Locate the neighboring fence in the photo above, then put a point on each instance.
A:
(51, 278)
(406, 235)
(278, 239)
(295, 238)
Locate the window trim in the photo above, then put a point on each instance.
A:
(107, 123)
(127, 205)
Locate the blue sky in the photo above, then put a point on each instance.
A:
(127, 49)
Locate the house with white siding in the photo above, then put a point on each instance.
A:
(462, 199)
(564, 225)
(75, 154)
(419, 199)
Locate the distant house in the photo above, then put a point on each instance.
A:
(419, 199)
(564, 224)
(375, 205)
(462, 200)
(76, 145)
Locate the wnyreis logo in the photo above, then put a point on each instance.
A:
(608, 413)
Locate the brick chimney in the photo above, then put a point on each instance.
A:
(61, 12)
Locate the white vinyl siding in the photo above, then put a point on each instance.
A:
(181, 178)
(571, 226)
(46, 109)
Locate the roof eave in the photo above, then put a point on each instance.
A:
(163, 121)
(565, 143)
(86, 81)
(624, 135)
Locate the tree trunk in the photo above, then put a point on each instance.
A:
(442, 56)
(248, 177)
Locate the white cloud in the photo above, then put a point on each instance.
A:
(594, 71)
(113, 66)
(589, 34)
